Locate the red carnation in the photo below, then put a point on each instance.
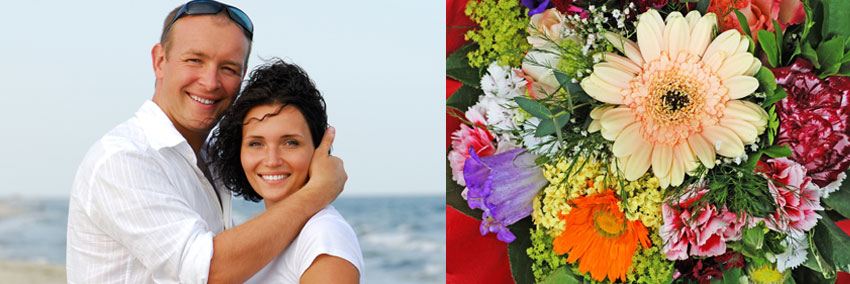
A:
(813, 120)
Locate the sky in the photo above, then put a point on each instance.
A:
(73, 70)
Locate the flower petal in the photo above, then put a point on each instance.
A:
(594, 126)
(677, 169)
(738, 109)
(609, 73)
(724, 140)
(745, 130)
(726, 42)
(614, 121)
(639, 161)
(649, 40)
(689, 159)
(626, 46)
(740, 86)
(621, 63)
(754, 67)
(743, 46)
(597, 113)
(701, 34)
(676, 34)
(735, 65)
(626, 143)
(607, 94)
(702, 149)
(662, 155)
(692, 17)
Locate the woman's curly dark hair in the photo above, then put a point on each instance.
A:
(275, 82)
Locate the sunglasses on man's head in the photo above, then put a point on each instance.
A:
(209, 7)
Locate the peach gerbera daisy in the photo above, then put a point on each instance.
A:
(677, 93)
(599, 236)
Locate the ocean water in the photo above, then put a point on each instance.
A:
(402, 238)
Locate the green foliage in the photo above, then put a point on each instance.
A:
(770, 46)
(458, 68)
(573, 60)
(650, 266)
(544, 260)
(463, 98)
(830, 55)
(563, 275)
(502, 34)
(840, 200)
(778, 151)
(836, 18)
(736, 186)
(517, 251)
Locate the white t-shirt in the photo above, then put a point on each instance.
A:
(325, 233)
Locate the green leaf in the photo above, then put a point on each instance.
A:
(464, 97)
(732, 276)
(702, 6)
(840, 244)
(779, 43)
(830, 54)
(457, 66)
(775, 97)
(836, 18)
(768, 44)
(743, 22)
(563, 275)
(820, 251)
(767, 81)
(517, 251)
(546, 127)
(810, 54)
(533, 108)
(840, 200)
(753, 238)
(752, 160)
(454, 199)
(809, 276)
(778, 151)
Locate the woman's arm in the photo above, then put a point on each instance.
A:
(331, 269)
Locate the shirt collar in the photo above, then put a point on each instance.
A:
(161, 133)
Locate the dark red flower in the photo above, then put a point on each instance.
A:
(706, 269)
(814, 120)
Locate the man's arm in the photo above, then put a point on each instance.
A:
(240, 252)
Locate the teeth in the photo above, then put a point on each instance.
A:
(274, 177)
(203, 101)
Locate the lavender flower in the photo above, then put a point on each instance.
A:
(504, 186)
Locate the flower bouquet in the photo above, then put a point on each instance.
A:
(656, 141)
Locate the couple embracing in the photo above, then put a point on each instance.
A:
(151, 200)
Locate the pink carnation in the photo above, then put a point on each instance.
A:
(796, 197)
(476, 137)
(705, 229)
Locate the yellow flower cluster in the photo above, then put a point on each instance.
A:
(643, 200)
(554, 198)
(589, 176)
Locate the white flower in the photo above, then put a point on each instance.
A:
(500, 86)
(794, 255)
(829, 188)
(547, 145)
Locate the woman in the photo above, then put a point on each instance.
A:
(262, 151)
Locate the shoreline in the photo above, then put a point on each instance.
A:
(13, 271)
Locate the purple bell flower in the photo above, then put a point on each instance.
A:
(504, 186)
(536, 6)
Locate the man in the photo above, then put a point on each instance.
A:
(143, 208)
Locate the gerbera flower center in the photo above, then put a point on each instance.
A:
(675, 98)
(607, 224)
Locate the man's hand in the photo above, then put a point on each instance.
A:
(327, 175)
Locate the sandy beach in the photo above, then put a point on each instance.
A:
(23, 272)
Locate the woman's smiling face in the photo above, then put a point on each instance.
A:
(276, 151)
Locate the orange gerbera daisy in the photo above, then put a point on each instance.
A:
(599, 236)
